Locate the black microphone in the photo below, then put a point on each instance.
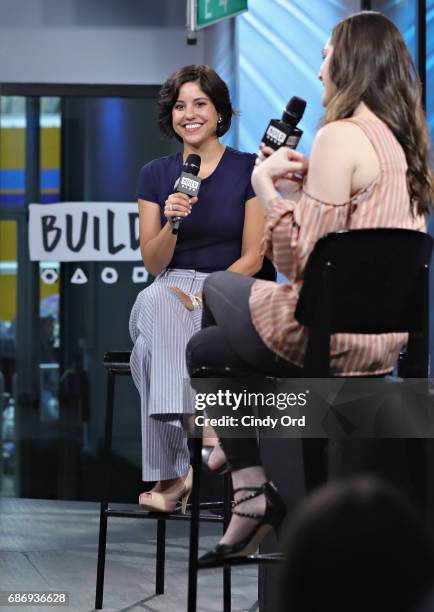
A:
(283, 132)
(188, 183)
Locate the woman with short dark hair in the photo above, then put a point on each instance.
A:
(210, 83)
(221, 230)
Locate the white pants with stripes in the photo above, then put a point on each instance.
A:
(160, 327)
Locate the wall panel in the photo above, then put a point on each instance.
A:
(280, 43)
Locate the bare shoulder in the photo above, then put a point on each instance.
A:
(333, 161)
(336, 144)
(342, 150)
(341, 136)
(338, 129)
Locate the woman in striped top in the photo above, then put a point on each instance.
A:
(368, 168)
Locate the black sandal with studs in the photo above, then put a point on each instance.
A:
(275, 511)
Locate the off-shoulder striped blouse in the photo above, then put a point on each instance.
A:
(291, 231)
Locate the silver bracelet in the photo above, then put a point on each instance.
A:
(196, 301)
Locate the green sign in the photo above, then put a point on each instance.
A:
(210, 11)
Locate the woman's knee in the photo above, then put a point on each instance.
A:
(217, 292)
(210, 348)
(227, 284)
(199, 348)
(213, 281)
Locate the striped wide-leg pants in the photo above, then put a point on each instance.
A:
(160, 327)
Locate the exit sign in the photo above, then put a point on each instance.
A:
(210, 11)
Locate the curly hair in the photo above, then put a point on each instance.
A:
(371, 64)
(210, 83)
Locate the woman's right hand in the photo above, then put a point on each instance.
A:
(263, 153)
(178, 205)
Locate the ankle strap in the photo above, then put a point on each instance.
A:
(250, 489)
(256, 492)
(248, 514)
(259, 490)
(265, 489)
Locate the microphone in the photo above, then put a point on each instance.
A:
(188, 182)
(283, 132)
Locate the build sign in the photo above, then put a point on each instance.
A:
(84, 231)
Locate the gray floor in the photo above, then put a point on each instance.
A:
(52, 545)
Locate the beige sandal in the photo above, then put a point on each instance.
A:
(166, 502)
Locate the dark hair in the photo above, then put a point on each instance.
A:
(210, 83)
(371, 64)
(357, 545)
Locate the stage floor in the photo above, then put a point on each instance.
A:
(52, 545)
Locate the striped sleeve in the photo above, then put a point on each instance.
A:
(280, 235)
(292, 228)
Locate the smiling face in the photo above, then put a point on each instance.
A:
(324, 74)
(194, 116)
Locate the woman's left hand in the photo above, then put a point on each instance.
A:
(186, 299)
(285, 163)
(282, 170)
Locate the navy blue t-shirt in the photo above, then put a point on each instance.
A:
(210, 237)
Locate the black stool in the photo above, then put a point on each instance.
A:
(118, 364)
(194, 566)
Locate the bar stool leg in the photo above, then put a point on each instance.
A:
(194, 525)
(105, 492)
(227, 490)
(161, 556)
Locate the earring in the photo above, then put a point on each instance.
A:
(220, 119)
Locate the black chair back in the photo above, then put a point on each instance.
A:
(368, 281)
